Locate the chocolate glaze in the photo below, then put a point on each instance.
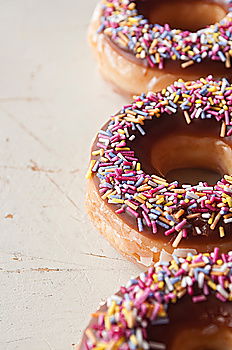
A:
(156, 129)
(146, 6)
(186, 316)
(203, 68)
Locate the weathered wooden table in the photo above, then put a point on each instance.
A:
(54, 266)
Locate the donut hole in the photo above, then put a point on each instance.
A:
(193, 175)
(186, 15)
(190, 159)
(220, 338)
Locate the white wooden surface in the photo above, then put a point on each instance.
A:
(54, 267)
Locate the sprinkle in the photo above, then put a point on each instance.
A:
(150, 200)
(216, 220)
(145, 300)
(177, 239)
(89, 172)
(140, 224)
(157, 346)
(199, 298)
(223, 129)
(221, 231)
(122, 22)
(90, 335)
(187, 64)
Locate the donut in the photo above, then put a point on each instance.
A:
(185, 304)
(136, 55)
(129, 198)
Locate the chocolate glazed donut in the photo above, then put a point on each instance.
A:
(129, 198)
(183, 305)
(192, 39)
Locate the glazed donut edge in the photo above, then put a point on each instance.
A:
(161, 215)
(153, 310)
(124, 73)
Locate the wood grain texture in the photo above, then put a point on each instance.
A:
(54, 267)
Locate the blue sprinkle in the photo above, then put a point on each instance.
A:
(142, 132)
(138, 183)
(162, 224)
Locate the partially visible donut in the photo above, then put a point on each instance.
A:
(185, 304)
(129, 199)
(136, 55)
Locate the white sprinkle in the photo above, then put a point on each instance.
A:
(168, 283)
(177, 239)
(222, 291)
(203, 188)
(205, 215)
(200, 279)
(198, 231)
(157, 346)
(227, 221)
(132, 137)
(192, 195)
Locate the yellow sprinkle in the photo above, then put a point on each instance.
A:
(149, 205)
(133, 339)
(133, 206)
(186, 48)
(111, 308)
(169, 203)
(157, 57)
(212, 89)
(187, 64)
(161, 200)
(160, 182)
(129, 318)
(122, 148)
(89, 172)
(98, 152)
(211, 219)
(143, 188)
(140, 200)
(219, 262)
(229, 201)
(179, 214)
(138, 166)
(212, 285)
(107, 322)
(105, 195)
(221, 231)
(155, 278)
(117, 200)
(187, 117)
(216, 220)
(206, 254)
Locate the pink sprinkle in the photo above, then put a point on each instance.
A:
(199, 298)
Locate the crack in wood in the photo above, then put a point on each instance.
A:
(16, 99)
(63, 192)
(27, 131)
(101, 256)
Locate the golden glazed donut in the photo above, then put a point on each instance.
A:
(136, 55)
(183, 305)
(129, 198)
